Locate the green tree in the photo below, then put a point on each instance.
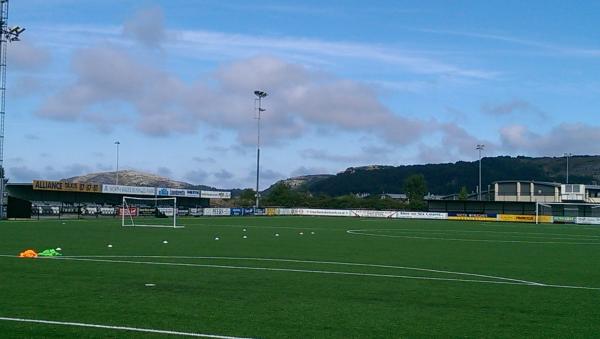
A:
(463, 194)
(282, 195)
(415, 187)
(247, 197)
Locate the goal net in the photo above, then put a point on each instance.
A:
(568, 213)
(149, 212)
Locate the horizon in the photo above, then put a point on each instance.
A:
(349, 84)
(310, 174)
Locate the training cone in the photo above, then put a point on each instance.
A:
(28, 254)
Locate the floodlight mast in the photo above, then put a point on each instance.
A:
(259, 96)
(568, 155)
(117, 172)
(7, 35)
(480, 148)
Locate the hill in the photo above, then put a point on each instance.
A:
(448, 178)
(134, 178)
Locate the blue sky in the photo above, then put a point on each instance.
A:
(350, 83)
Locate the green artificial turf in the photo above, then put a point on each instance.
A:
(318, 294)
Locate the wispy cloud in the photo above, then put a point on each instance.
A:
(213, 45)
(555, 48)
(245, 45)
(511, 107)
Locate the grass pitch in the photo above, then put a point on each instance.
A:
(340, 278)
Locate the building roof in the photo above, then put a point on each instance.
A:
(555, 184)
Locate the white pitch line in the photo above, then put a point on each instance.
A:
(121, 328)
(508, 233)
(297, 271)
(309, 262)
(364, 232)
(271, 227)
(507, 282)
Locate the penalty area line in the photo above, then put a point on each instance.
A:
(120, 328)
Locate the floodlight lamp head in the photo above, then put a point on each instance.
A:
(13, 33)
(16, 30)
(260, 94)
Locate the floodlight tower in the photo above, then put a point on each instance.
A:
(117, 143)
(7, 34)
(568, 155)
(259, 96)
(480, 148)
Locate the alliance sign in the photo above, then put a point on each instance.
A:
(63, 186)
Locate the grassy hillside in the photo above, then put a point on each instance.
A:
(449, 178)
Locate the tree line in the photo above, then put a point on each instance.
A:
(281, 195)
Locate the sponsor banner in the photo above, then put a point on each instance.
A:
(587, 220)
(237, 211)
(271, 211)
(183, 212)
(146, 212)
(217, 211)
(163, 191)
(167, 211)
(524, 218)
(373, 214)
(285, 211)
(322, 212)
(421, 215)
(107, 211)
(196, 212)
(131, 211)
(249, 211)
(46, 185)
(473, 216)
(516, 218)
(177, 192)
(215, 195)
(120, 189)
(192, 193)
(564, 220)
(260, 211)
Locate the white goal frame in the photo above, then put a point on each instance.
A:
(125, 212)
(549, 204)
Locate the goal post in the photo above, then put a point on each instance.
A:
(565, 212)
(149, 212)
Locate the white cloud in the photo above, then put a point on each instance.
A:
(147, 27)
(515, 106)
(26, 56)
(223, 175)
(555, 49)
(566, 137)
(196, 177)
(24, 173)
(300, 99)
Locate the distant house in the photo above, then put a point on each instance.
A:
(394, 196)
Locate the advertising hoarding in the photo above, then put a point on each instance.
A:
(48, 185)
(215, 195)
(120, 189)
